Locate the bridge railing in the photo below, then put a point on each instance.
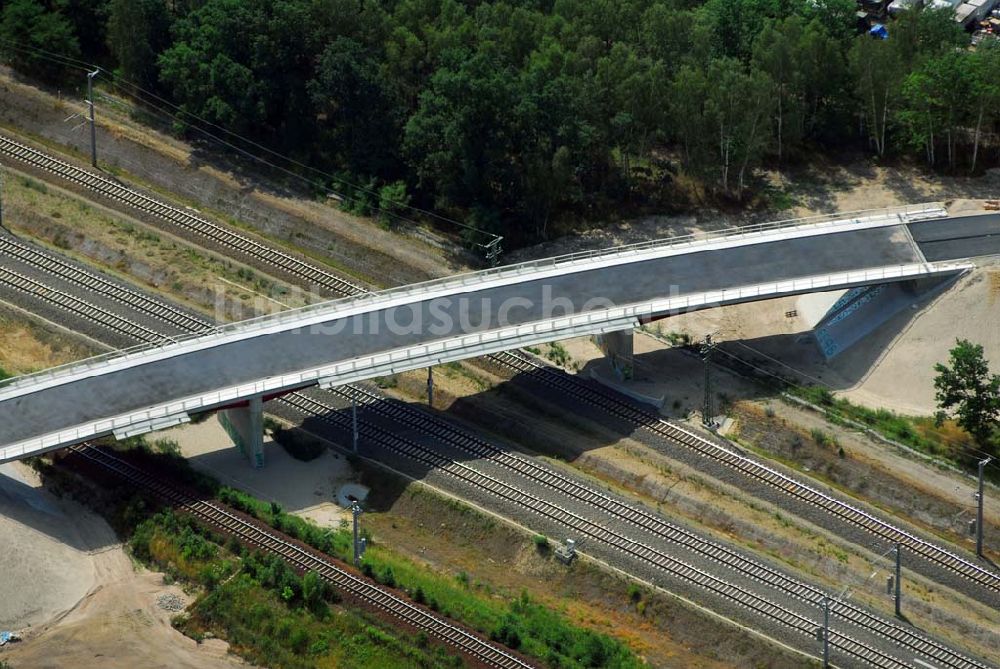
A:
(465, 345)
(403, 294)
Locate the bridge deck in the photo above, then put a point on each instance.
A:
(27, 412)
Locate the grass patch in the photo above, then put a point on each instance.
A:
(946, 441)
(822, 438)
(268, 612)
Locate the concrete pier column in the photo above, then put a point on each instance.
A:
(245, 426)
(618, 348)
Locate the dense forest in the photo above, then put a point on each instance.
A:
(515, 114)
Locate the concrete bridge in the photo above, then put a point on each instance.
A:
(239, 366)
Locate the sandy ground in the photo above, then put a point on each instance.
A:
(73, 592)
(307, 489)
(902, 377)
(46, 541)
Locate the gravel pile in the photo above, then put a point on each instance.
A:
(170, 602)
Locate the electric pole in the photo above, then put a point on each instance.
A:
(826, 632)
(708, 408)
(354, 426)
(93, 127)
(358, 545)
(430, 387)
(979, 508)
(899, 577)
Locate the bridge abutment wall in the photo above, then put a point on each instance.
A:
(862, 310)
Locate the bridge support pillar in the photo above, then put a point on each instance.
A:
(618, 348)
(245, 426)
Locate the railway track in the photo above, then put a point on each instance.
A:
(81, 308)
(727, 590)
(605, 401)
(623, 514)
(263, 538)
(614, 405)
(226, 238)
(162, 311)
(636, 516)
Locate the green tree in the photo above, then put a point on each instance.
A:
(462, 139)
(245, 65)
(984, 85)
(777, 52)
(737, 23)
(687, 96)
(827, 98)
(88, 19)
(359, 120)
(392, 200)
(138, 31)
(967, 391)
(922, 33)
(838, 17)
(877, 70)
(27, 29)
(737, 108)
(935, 97)
(313, 592)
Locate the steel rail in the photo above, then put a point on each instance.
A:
(225, 237)
(717, 553)
(643, 519)
(727, 590)
(606, 401)
(614, 405)
(267, 540)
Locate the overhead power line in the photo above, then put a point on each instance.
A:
(491, 241)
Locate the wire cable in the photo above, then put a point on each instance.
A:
(142, 94)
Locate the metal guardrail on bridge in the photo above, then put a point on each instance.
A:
(813, 224)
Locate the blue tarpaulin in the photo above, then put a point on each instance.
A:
(879, 30)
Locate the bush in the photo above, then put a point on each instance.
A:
(822, 438)
(634, 592)
(558, 354)
(541, 542)
(392, 201)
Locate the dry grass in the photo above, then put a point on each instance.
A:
(130, 249)
(28, 346)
